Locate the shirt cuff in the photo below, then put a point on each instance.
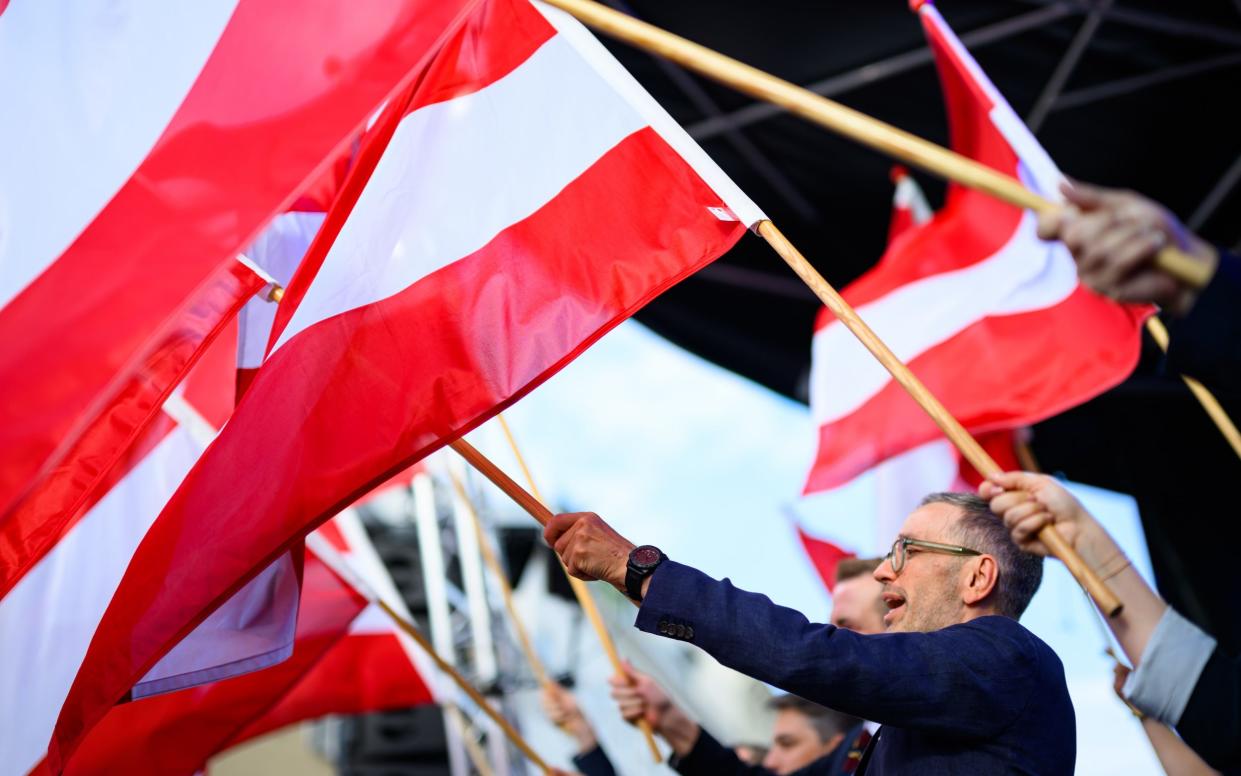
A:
(1169, 669)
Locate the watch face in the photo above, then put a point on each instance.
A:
(645, 556)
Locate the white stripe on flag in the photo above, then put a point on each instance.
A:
(86, 91)
(48, 619)
(444, 154)
(1026, 274)
(624, 84)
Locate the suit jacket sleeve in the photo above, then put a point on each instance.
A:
(711, 758)
(971, 679)
(594, 763)
(1211, 722)
(1206, 344)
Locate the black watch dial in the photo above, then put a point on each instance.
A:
(645, 557)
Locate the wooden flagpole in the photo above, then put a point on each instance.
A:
(1208, 401)
(542, 514)
(443, 665)
(493, 563)
(853, 124)
(472, 750)
(342, 568)
(582, 591)
(952, 428)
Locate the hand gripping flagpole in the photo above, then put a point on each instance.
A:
(342, 568)
(580, 588)
(853, 124)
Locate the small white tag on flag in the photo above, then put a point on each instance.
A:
(723, 213)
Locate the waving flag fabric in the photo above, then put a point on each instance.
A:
(348, 659)
(529, 197)
(70, 587)
(991, 318)
(899, 482)
(147, 143)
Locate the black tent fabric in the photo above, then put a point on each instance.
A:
(1130, 93)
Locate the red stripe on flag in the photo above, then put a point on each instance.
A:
(286, 86)
(502, 35)
(825, 556)
(177, 732)
(313, 433)
(1011, 391)
(363, 672)
(102, 454)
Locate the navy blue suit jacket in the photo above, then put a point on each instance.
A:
(985, 696)
(1206, 344)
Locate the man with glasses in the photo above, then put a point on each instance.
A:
(958, 685)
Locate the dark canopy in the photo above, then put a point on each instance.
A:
(1131, 93)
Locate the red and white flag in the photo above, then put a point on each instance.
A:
(50, 617)
(520, 199)
(348, 659)
(991, 318)
(146, 145)
(70, 587)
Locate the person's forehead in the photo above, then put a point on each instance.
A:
(931, 522)
(854, 588)
(790, 720)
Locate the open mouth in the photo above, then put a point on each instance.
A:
(894, 601)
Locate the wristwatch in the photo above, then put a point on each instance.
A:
(642, 563)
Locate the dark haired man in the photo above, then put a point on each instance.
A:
(958, 685)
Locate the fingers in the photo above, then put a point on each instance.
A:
(1025, 531)
(1013, 480)
(629, 700)
(558, 526)
(1084, 195)
(1024, 507)
(1085, 230)
(1052, 221)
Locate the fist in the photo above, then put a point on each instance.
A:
(589, 548)
(1030, 502)
(637, 696)
(1114, 237)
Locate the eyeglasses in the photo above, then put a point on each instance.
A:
(900, 551)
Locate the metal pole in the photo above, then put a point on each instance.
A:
(434, 579)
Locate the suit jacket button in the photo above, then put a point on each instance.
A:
(689, 632)
(663, 627)
(680, 631)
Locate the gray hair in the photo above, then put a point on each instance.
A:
(981, 529)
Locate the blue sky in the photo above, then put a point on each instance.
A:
(677, 452)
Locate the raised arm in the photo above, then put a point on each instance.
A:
(968, 679)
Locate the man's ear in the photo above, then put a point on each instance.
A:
(982, 575)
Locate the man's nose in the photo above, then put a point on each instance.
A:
(883, 572)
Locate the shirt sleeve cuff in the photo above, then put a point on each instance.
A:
(1169, 669)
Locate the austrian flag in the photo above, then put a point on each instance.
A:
(523, 197)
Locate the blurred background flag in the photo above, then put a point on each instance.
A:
(991, 318)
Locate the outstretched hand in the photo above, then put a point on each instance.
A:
(589, 548)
